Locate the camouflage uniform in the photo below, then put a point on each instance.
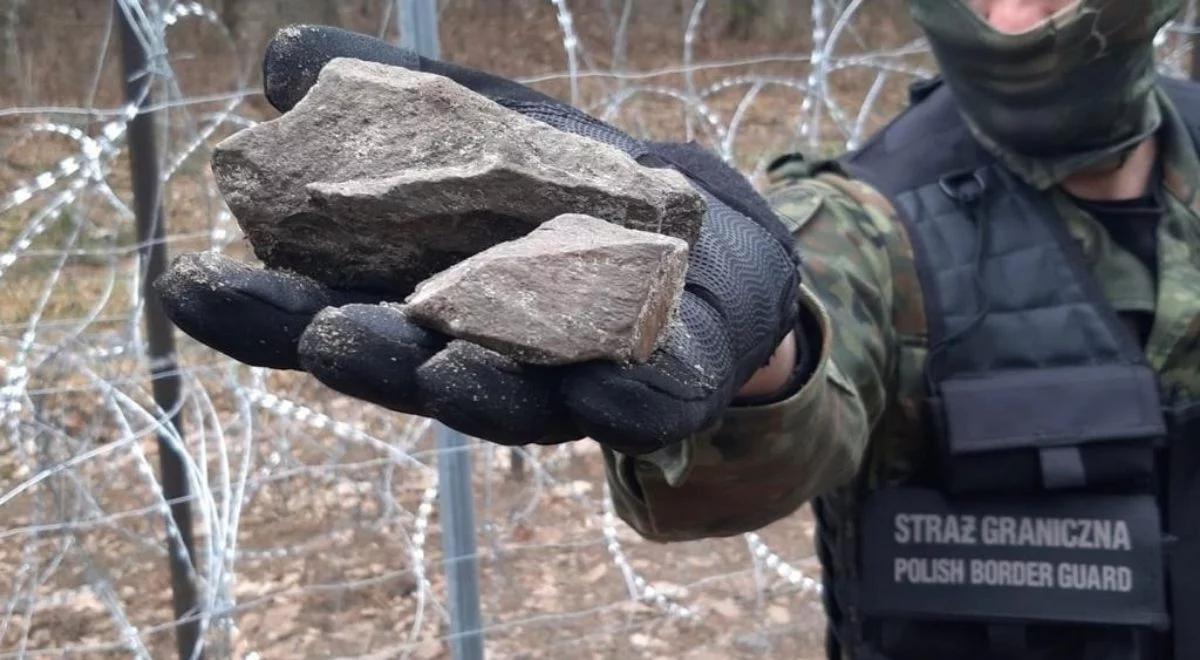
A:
(857, 419)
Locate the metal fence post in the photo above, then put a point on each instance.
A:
(417, 21)
(459, 556)
(164, 372)
(419, 31)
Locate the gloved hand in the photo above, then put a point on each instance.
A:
(740, 300)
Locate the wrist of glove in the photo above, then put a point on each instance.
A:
(739, 301)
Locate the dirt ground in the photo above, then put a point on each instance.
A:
(325, 565)
(322, 564)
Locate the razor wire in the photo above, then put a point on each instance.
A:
(311, 507)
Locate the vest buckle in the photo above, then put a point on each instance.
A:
(966, 187)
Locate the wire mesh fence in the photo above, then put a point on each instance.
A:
(316, 517)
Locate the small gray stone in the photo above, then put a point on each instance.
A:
(753, 642)
(575, 289)
(381, 176)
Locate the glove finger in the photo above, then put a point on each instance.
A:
(295, 55)
(375, 353)
(638, 408)
(488, 395)
(739, 302)
(253, 315)
(370, 352)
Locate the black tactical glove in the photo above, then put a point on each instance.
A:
(739, 302)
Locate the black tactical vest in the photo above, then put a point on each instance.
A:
(1063, 518)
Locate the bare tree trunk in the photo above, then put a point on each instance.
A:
(230, 15)
(746, 19)
(1196, 50)
(11, 79)
(743, 14)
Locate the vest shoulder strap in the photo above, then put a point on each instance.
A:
(1185, 94)
(927, 141)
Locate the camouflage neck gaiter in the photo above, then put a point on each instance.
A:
(1071, 94)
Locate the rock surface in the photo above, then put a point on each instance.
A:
(381, 177)
(575, 289)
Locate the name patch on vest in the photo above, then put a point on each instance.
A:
(1064, 558)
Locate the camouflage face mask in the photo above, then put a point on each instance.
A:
(1072, 93)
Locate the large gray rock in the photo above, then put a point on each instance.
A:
(575, 289)
(381, 177)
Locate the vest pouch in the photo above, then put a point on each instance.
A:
(1094, 427)
(1056, 576)
(1183, 525)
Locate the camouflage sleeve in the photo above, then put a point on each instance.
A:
(760, 463)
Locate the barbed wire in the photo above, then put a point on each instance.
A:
(315, 512)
